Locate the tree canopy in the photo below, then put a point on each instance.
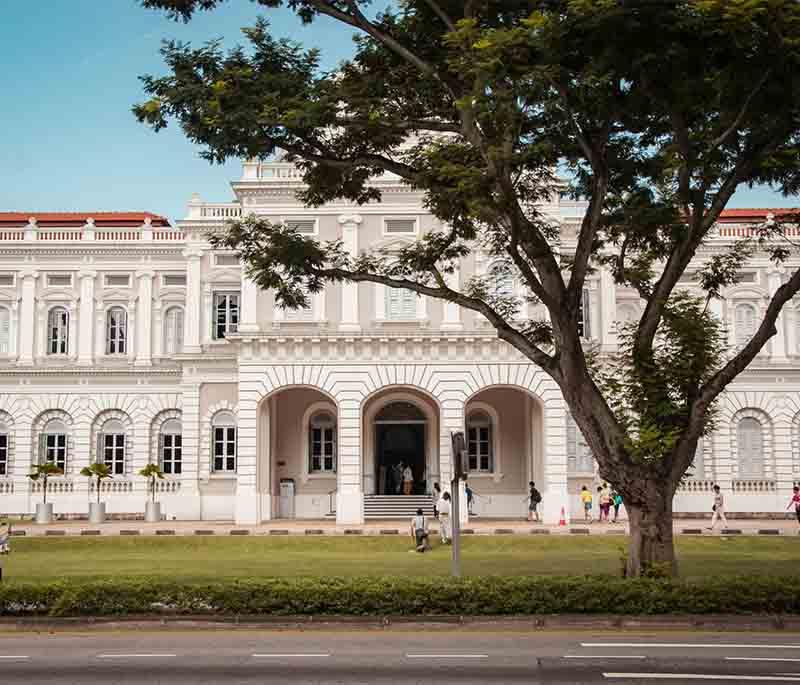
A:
(654, 112)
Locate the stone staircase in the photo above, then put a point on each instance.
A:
(396, 506)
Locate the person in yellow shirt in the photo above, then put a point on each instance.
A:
(586, 498)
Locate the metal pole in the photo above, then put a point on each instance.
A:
(455, 518)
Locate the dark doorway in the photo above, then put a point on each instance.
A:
(399, 437)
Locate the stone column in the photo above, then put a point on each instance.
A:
(132, 331)
(144, 328)
(349, 494)
(349, 318)
(779, 348)
(41, 329)
(27, 318)
(72, 333)
(451, 319)
(100, 331)
(555, 495)
(86, 318)
(248, 316)
(191, 331)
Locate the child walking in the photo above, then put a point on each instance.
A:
(586, 498)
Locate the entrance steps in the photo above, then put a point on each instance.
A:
(396, 506)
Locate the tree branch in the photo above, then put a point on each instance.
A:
(727, 133)
(403, 170)
(448, 22)
(402, 125)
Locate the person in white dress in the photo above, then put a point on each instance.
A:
(445, 524)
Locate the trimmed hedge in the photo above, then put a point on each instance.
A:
(394, 596)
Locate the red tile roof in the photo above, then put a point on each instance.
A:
(121, 219)
(754, 214)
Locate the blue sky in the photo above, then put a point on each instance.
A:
(68, 140)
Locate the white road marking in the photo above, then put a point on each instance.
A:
(685, 645)
(320, 655)
(135, 656)
(447, 656)
(603, 656)
(759, 658)
(12, 656)
(698, 676)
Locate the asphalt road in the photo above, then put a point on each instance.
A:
(435, 655)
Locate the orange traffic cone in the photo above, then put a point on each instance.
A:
(563, 520)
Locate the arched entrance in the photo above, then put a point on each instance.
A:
(399, 425)
(400, 436)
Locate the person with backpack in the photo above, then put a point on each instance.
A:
(796, 502)
(419, 531)
(534, 499)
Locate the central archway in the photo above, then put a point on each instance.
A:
(400, 426)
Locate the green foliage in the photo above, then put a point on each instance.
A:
(97, 472)
(153, 473)
(401, 596)
(43, 472)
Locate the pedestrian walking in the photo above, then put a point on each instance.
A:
(718, 509)
(796, 502)
(604, 500)
(437, 495)
(408, 480)
(470, 498)
(534, 499)
(419, 531)
(586, 498)
(445, 527)
(616, 501)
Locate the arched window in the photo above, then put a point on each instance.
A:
(5, 445)
(401, 304)
(745, 323)
(5, 330)
(173, 330)
(53, 444)
(579, 456)
(58, 331)
(480, 451)
(170, 447)
(223, 433)
(111, 446)
(116, 331)
(750, 448)
(322, 443)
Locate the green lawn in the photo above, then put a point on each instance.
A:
(197, 559)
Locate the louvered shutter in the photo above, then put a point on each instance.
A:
(745, 324)
(750, 448)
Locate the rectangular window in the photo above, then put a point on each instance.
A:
(584, 318)
(114, 452)
(169, 280)
(3, 454)
(116, 331)
(226, 314)
(323, 450)
(479, 448)
(226, 260)
(59, 280)
(118, 280)
(304, 226)
(55, 449)
(225, 449)
(171, 453)
(400, 226)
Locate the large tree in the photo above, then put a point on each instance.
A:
(654, 111)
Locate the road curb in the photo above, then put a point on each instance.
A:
(763, 623)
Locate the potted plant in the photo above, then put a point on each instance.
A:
(152, 512)
(44, 509)
(98, 473)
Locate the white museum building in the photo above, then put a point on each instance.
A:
(126, 339)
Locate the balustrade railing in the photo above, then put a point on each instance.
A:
(747, 485)
(168, 486)
(696, 485)
(6, 487)
(55, 487)
(113, 487)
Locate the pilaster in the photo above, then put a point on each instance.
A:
(451, 320)
(144, 330)
(27, 319)
(349, 494)
(191, 342)
(608, 309)
(779, 347)
(349, 317)
(248, 316)
(86, 318)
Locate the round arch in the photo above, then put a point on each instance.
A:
(377, 401)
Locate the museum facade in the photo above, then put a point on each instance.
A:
(126, 339)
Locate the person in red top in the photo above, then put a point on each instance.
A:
(796, 501)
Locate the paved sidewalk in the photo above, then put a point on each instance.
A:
(476, 526)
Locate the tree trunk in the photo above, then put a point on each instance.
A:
(651, 545)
